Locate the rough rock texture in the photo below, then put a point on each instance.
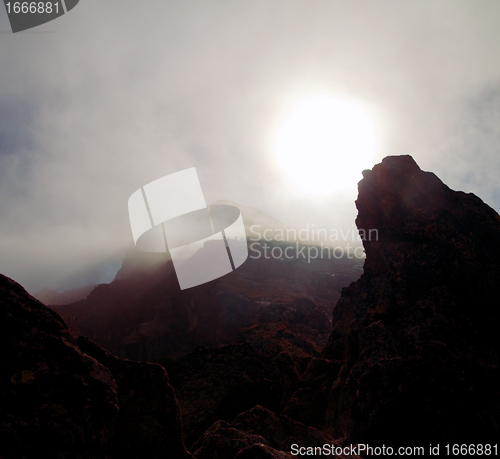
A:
(418, 333)
(260, 433)
(224, 442)
(280, 431)
(217, 384)
(308, 402)
(149, 424)
(58, 402)
(258, 451)
(286, 337)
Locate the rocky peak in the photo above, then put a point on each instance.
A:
(417, 334)
(407, 205)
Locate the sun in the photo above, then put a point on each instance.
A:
(324, 143)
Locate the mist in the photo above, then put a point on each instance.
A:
(116, 94)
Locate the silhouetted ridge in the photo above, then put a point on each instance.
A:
(417, 335)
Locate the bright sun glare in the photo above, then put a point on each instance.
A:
(325, 143)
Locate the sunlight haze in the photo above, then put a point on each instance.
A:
(117, 94)
(324, 143)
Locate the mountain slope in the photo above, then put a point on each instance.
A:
(143, 314)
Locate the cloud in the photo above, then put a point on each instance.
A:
(125, 92)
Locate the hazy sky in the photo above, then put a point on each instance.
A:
(118, 93)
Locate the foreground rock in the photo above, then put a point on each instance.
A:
(149, 424)
(308, 403)
(223, 441)
(417, 335)
(281, 432)
(217, 384)
(57, 401)
(260, 433)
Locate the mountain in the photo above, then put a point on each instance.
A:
(143, 314)
(412, 359)
(413, 355)
(272, 314)
(54, 297)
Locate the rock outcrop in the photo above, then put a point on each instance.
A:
(417, 336)
(280, 431)
(217, 384)
(149, 422)
(261, 433)
(59, 401)
(223, 441)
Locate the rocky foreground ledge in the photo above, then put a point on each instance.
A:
(67, 398)
(59, 402)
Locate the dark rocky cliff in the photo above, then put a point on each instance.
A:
(63, 399)
(413, 354)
